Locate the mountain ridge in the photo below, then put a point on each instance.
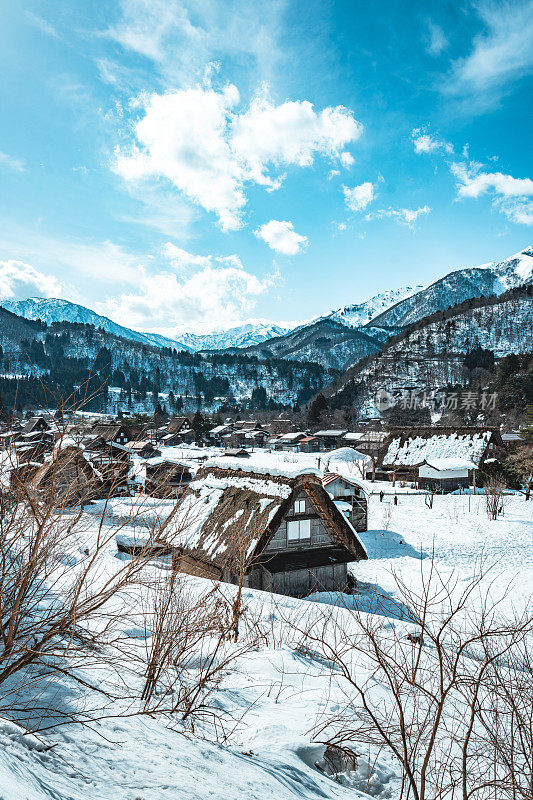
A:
(493, 278)
(370, 322)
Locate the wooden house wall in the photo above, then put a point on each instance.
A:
(301, 582)
(320, 536)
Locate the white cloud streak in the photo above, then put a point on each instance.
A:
(281, 236)
(406, 216)
(509, 195)
(424, 142)
(474, 185)
(501, 54)
(10, 162)
(181, 37)
(436, 39)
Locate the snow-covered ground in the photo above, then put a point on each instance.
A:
(275, 694)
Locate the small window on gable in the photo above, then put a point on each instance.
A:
(299, 507)
(298, 530)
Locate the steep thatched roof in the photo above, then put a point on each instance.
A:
(228, 516)
(68, 476)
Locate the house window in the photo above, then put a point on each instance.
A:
(298, 530)
(299, 507)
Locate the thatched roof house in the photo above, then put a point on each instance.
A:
(67, 478)
(274, 526)
(409, 449)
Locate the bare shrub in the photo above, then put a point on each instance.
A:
(494, 497)
(191, 648)
(57, 580)
(439, 695)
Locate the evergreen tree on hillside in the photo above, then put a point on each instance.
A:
(199, 426)
(479, 358)
(526, 431)
(317, 408)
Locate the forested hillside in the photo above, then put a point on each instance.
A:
(431, 354)
(42, 365)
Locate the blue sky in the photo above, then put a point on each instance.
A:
(189, 165)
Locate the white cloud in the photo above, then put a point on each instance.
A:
(478, 183)
(360, 196)
(519, 210)
(19, 281)
(436, 39)
(10, 162)
(181, 260)
(502, 53)
(281, 236)
(195, 139)
(71, 259)
(509, 195)
(407, 216)
(424, 142)
(181, 137)
(209, 288)
(43, 25)
(291, 133)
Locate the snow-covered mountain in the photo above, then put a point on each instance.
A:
(463, 284)
(241, 336)
(355, 316)
(51, 309)
(376, 318)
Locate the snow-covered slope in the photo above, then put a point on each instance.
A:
(395, 308)
(463, 284)
(51, 309)
(273, 697)
(429, 355)
(354, 316)
(245, 335)
(326, 342)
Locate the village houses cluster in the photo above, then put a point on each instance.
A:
(264, 504)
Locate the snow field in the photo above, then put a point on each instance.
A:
(273, 696)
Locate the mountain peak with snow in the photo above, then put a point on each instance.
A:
(359, 314)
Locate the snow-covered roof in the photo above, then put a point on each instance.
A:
(224, 516)
(219, 429)
(267, 464)
(450, 463)
(353, 437)
(416, 450)
(348, 454)
(331, 433)
(343, 505)
(289, 437)
(342, 475)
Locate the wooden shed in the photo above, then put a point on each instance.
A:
(350, 496)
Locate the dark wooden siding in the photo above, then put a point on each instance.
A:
(320, 536)
(302, 582)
